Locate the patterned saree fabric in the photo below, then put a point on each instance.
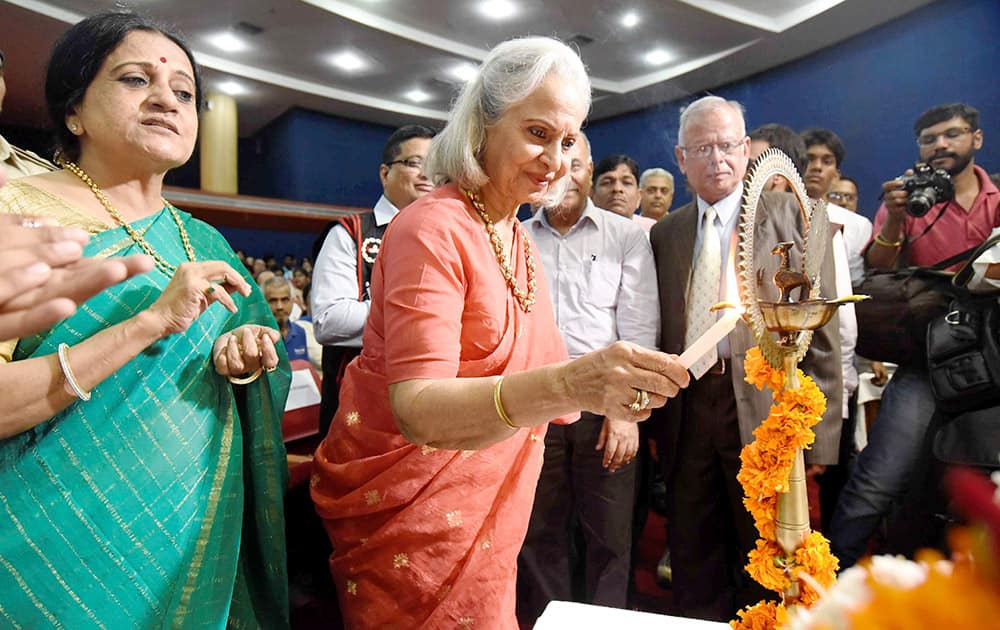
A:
(157, 503)
(427, 537)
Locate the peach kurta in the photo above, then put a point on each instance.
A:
(421, 536)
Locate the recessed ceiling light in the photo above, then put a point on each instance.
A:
(227, 42)
(658, 57)
(497, 9)
(417, 95)
(463, 71)
(348, 61)
(232, 88)
(630, 19)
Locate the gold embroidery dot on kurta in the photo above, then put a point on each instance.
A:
(466, 622)
(443, 593)
(372, 497)
(352, 419)
(427, 449)
(400, 560)
(454, 518)
(486, 544)
(352, 587)
(533, 437)
(363, 541)
(313, 481)
(467, 454)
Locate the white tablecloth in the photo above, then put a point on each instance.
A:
(569, 615)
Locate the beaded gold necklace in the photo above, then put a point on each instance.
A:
(525, 299)
(164, 266)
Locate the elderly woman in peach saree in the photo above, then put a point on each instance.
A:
(426, 479)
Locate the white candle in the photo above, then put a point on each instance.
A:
(711, 338)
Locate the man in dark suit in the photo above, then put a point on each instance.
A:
(702, 431)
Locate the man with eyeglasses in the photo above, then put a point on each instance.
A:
(844, 192)
(948, 137)
(345, 255)
(702, 432)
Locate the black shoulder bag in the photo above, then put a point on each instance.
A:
(963, 365)
(892, 325)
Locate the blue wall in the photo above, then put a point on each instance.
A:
(308, 156)
(868, 89)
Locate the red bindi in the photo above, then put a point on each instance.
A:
(163, 60)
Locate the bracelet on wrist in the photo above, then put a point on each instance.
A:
(246, 380)
(72, 386)
(498, 403)
(884, 242)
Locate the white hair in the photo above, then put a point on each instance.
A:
(706, 104)
(511, 72)
(655, 172)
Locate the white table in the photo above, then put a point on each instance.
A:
(563, 615)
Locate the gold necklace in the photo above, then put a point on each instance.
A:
(526, 300)
(136, 237)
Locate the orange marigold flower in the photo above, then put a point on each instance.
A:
(766, 566)
(763, 615)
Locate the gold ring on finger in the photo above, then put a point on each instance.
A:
(644, 403)
(636, 405)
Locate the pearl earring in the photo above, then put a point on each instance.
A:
(73, 127)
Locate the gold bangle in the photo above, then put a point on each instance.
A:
(245, 380)
(72, 386)
(884, 242)
(498, 403)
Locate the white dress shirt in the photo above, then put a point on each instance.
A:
(338, 316)
(857, 233)
(602, 280)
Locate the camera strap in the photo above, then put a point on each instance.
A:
(932, 223)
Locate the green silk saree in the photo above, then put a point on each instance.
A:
(157, 503)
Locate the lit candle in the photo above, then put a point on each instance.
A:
(711, 338)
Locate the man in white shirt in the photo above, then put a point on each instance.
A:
(603, 289)
(826, 153)
(345, 255)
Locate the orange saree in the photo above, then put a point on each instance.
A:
(425, 537)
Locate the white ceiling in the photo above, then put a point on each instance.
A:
(412, 45)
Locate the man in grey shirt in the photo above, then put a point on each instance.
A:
(603, 288)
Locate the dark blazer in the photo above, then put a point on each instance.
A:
(778, 219)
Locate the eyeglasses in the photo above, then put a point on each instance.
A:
(413, 162)
(704, 151)
(839, 196)
(927, 139)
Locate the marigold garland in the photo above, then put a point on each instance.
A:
(766, 465)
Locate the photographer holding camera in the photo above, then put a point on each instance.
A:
(925, 219)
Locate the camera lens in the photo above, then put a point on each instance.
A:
(921, 201)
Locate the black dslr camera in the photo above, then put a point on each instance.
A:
(927, 187)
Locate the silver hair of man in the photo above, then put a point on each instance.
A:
(706, 104)
(655, 172)
(509, 74)
(277, 280)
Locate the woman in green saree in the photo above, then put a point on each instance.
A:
(141, 460)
